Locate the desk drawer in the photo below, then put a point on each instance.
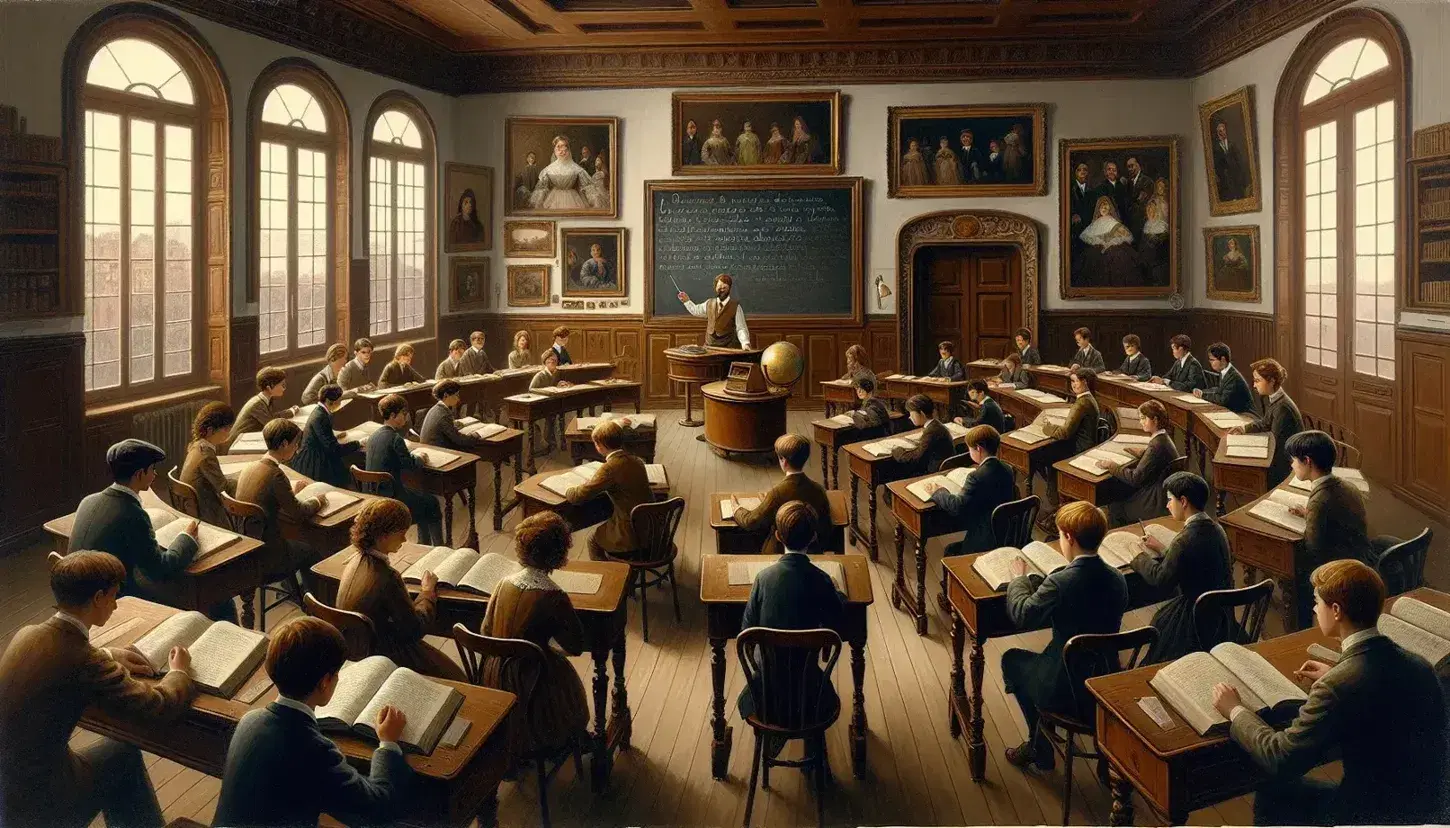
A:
(1073, 487)
(1273, 556)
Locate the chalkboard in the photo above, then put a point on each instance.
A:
(793, 246)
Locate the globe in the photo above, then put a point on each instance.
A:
(782, 364)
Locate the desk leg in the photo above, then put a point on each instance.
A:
(976, 741)
(1291, 605)
(871, 513)
(519, 466)
(620, 718)
(690, 421)
(855, 530)
(720, 744)
(958, 682)
(600, 768)
(498, 497)
(921, 587)
(1222, 502)
(825, 467)
(1251, 576)
(1122, 812)
(526, 453)
(858, 709)
(835, 469)
(899, 586)
(448, 520)
(472, 542)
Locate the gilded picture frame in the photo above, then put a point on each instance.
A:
(530, 239)
(1233, 263)
(528, 285)
(791, 133)
(1006, 156)
(593, 262)
(468, 280)
(582, 186)
(1231, 153)
(464, 232)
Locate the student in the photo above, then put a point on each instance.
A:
(113, 520)
(521, 356)
(1013, 373)
(281, 770)
(1135, 364)
(336, 359)
(387, 451)
(549, 376)
(439, 428)
(401, 371)
(990, 485)
(1280, 415)
(561, 345)
(201, 470)
(856, 365)
(870, 414)
(935, 443)
(321, 456)
(1075, 436)
(1145, 473)
(1231, 391)
(1186, 373)
(49, 675)
(792, 451)
(354, 375)
(266, 486)
(475, 359)
(371, 586)
(1380, 710)
(1088, 596)
(949, 367)
(455, 364)
(1086, 356)
(990, 413)
(261, 409)
(1025, 350)
(1195, 562)
(624, 479)
(531, 606)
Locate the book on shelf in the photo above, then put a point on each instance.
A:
(1255, 446)
(1354, 477)
(1187, 686)
(1275, 509)
(729, 505)
(168, 525)
(629, 422)
(882, 448)
(365, 687)
(434, 458)
(995, 567)
(561, 483)
(656, 474)
(474, 427)
(745, 572)
(333, 499)
(223, 654)
(953, 481)
(465, 569)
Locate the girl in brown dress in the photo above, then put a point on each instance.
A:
(529, 605)
(371, 586)
(201, 470)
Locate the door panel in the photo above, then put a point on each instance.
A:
(973, 299)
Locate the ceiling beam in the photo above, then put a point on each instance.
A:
(542, 12)
(841, 16)
(493, 17)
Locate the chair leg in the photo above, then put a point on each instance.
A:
(823, 768)
(643, 605)
(1103, 769)
(1067, 779)
(675, 592)
(759, 750)
(578, 761)
(543, 792)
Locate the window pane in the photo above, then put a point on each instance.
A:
(1320, 240)
(394, 127)
(412, 244)
(311, 247)
(380, 245)
(291, 105)
(141, 68)
(179, 263)
(1375, 243)
(272, 247)
(141, 337)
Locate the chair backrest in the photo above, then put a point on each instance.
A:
(1346, 456)
(1012, 521)
(1179, 464)
(788, 674)
(1009, 422)
(654, 530)
(52, 559)
(357, 629)
(1109, 416)
(1402, 566)
(476, 650)
(1333, 429)
(371, 482)
(183, 497)
(1246, 607)
(1088, 655)
(246, 518)
(956, 461)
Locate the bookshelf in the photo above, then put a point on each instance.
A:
(33, 200)
(1430, 229)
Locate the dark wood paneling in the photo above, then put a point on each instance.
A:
(1425, 363)
(41, 409)
(1248, 335)
(244, 363)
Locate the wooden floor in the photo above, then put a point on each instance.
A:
(918, 774)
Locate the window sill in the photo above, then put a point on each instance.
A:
(112, 409)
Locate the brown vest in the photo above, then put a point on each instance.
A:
(720, 317)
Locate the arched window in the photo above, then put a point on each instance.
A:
(300, 137)
(144, 98)
(399, 216)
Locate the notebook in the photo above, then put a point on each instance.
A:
(223, 655)
(250, 443)
(365, 687)
(843, 419)
(1254, 446)
(1131, 439)
(1150, 386)
(745, 572)
(1031, 435)
(1191, 400)
(1227, 419)
(168, 525)
(467, 570)
(1088, 460)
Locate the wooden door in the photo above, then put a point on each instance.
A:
(971, 297)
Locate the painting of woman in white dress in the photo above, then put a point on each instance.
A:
(564, 186)
(1109, 258)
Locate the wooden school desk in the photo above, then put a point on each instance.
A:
(980, 612)
(874, 471)
(731, 539)
(948, 395)
(1099, 489)
(920, 520)
(695, 369)
(1246, 476)
(1204, 437)
(984, 368)
(536, 498)
(484, 393)
(1023, 409)
(418, 395)
(829, 436)
(637, 441)
(724, 609)
(603, 616)
(1176, 771)
(458, 476)
(1026, 458)
(503, 447)
(526, 408)
(452, 785)
(1260, 545)
(1053, 379)
(838, 394)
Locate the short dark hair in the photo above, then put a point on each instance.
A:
(866, 384)
(944, 345)
(1132, 339)
(457, 345)
(1024, 333)
(445, 388)
(279, 433)
(1181, 341)
(985, 437)
(922, 403)
(794, 449)
(1219, 350)
(360, 343)
(1087, 375)
(561, 332)
(795, 524)
(137, 456)
(542, 541)
(329, 393)
(77, 577)
(303, 652)
(1084, 333)
(213, 417)
(270, 377)
(1315, 447)
(977, 385)
(390, 405)
(1188, 486)
(608, 434)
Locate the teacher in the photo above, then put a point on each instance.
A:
(724, 318)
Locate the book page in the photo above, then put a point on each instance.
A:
(957, 432)
(656, 474)
(434, 458)
(638, 421)
(1120, 548)
(1248, 440)
(728, 504)
(465, 422)
(357, 683)
(1129, 417)
(922, 489)
(177, 631)
(160, 518)
(224, 656)
(1030, 435)
(995, 566)
(1187, 686)
(1417, 612)
(484, 575)
(1278, 514)
(1150, 386)
(1271, 686)
(361, 432)
(577, 583)
(210, 539)
(1422, 643)
(1087, 463)
(561, 483)
(744, 572)
(1191, 400)
(1249, 452)
(1225, 419)
(1046, 558)
(333, 499)
(1054, 368)
(483, 431)
(427, 705)
(1289, 499)
(430, 562)
(1164, 535)
(836, 571)
(167, 532)
(1123, 440)
(528, 397)
(843, 419)
(249, 443)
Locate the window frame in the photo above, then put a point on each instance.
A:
(427, 156)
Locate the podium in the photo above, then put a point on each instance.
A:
(743, 424)
(695, 369)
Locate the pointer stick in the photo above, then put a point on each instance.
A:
(673, 282)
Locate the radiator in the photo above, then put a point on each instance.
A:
(169, 428)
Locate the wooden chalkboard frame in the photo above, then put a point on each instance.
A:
(853, 184)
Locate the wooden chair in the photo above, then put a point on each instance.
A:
(357, 629)
(371, 482)
(1179, 464)
(248, 519)
(1336, 431)
(1009, 422)
(1107, 419)
(1086, 656)
(1402, 566)
(1012, 521)
(791, 700)
(52, 559)
(1247, 607)
(956, 461)
(1346, 456)
(476, 650)
(182, 496)
(653, 563)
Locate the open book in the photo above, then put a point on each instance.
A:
(555, 390)
(250, 443)
(1420, 628)
(745, 572)
(360, 432)
(995, 567)
(1191, 400)
(333, 499)
(474, 427)
(1056, 369)
(1150, 386)
(223, 655)
(1040, 396)
(1031, 434)
(1124, 440)
(1120, 547)
(1227, 419)
(1088, 461)
(465, 569)
(364, 687)
(1187, 685)
(953, 481)
(882, 448)
(729, 504)
(168, 525)
(561, 483)
(629, 422)
(434, 458)
(1275, 509)
(957, 432)
(986, 362)
(1254, 446)
(1352, 476)
(1054, 416)
(843, 419)
(901, 377)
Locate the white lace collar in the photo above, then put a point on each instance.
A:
(529, 578)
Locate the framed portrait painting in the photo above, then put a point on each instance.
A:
(594, 262)
(562, 166)
(467, 208)
(529, 239)
(1232, 257)
(757, 133)
(1231, 153)
(528, 286)
(956, 151)
(1120, 217)
(468, 278)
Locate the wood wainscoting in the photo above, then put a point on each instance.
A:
(1424, 367)
(42, 406)
(1249, 336)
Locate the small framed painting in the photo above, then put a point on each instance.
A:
(1232, 255)
(528, 286)
(757, 133)
(469, 278)
(1231, 154)
(529, 239)
(468, 208)
(594, 261)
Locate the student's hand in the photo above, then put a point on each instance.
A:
(1158, 380)
(1198, 392)
(1152, 544)
(298, 486)
(1018, 567)
(1236, 430)
(192, 528)
(1072, 366)
(430, 584)
(1298, 511)
(179, 660)
(1108, 465)
(391, 722)
(367, 387)
(682, 296)
(291, 412)
(1311, 670)
(1225, 699)
(1134, 451)
(565, 383)
(931, 487)
(959, 421)
(135, 663)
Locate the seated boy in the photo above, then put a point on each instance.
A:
(792, 451)
(439, 428)
(1186, 373)
(454, 365)
(1135, 363)
(475, 359)
(871, 414)
(400, 371)
(624, 479)
(948, 367)
(990, 485)
(934, 444)
(261, 409)
(387, 451)
(1026, 351)
(989, 412)
(265, 485)
(1086, 355)
(354, 375)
